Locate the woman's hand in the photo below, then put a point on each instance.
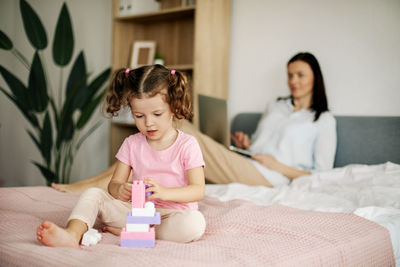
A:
(158, 191)
(241, 140)
(271, 163)
(124, 192)
(267, 160)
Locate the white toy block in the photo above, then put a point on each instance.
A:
(148, 210)
(137, 227)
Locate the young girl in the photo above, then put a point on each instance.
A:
(168, 160)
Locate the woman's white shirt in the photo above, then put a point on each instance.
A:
(294, 139)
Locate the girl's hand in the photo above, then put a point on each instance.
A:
(158, 191)
(241, 140)
(267, 160)
(124, 192)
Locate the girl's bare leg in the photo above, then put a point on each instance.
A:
(114, 230)
(101, 181)
(54, 236)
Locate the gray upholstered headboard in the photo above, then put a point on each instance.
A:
(363, 140)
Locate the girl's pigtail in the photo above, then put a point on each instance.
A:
(115, 94)
(179, 95)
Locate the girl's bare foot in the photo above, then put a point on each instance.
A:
(114, 230)
(53, 236)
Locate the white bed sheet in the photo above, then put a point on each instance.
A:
(369, 191)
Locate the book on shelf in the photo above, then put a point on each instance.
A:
(124, 116)
(136, 7)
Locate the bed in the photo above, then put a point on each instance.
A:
(349, 216)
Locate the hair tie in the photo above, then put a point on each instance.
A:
(127, 70)
(173, 72)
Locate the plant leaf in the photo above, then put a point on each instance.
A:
(46, 139)
(63, 44)
(37, 86)
(77, 81)
(34, 139)
(5, 42)
(46, 172)
(96, 84)
(17, 88)
(88, 111)
(65, 126)
(33, 26)
(55, 113)
(28, 115)
(76, 84)
(66, 130)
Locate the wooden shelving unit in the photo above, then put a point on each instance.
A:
(194, 39)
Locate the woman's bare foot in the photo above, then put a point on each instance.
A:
(101, 181)
(114, 230)
(53, 236)
(70, 188)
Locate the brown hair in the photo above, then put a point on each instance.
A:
(319, 99)
(148, 81)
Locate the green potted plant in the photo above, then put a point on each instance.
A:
(57, 126)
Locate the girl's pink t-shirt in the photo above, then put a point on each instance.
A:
(168, 167)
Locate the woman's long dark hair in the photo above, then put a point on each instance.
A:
(319, 101)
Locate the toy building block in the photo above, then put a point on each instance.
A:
(138, 232)
(138, 194)
(155, 219)
(151, 234)
(138, 239)
(131, 243)
(137, 227)
(148, 210)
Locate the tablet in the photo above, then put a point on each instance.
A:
(242, 152)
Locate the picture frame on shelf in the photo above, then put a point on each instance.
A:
(143, 53)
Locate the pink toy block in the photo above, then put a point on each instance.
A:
(150, 235)
(138, 194)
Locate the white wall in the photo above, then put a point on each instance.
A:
(357, 43)
(91, 21)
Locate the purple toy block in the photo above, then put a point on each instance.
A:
(148, 193)
(131, 243)
(156, 219)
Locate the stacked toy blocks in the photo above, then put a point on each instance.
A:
(138, 232)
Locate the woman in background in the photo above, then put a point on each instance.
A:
(295, 136)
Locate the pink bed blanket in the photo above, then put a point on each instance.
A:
(239, 233)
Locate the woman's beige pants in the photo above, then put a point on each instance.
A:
(222, 165)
